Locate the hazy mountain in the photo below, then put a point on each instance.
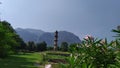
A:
(48, 37)
(63, 36)
(35, 31)
(29, 34)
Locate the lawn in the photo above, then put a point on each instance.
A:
(34, 60)
(56, 58)
(27, 60)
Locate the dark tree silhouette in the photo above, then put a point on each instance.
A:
(42, 46)
(64, 46)
(31, 46)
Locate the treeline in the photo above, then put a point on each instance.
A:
(11, 43)
(33, 47)
(42, 46)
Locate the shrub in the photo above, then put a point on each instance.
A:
(64, 46)
(92, 54)
(42, 46)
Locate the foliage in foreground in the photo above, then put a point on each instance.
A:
(94, 54)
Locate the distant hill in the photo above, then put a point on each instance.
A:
(29, 34)
(48, 37)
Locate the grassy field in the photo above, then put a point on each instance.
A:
(32, 60)
(56, 54)
(27, 60)
(56, 58)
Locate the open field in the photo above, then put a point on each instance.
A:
(33, 60)
(55, 58)
(21, 61)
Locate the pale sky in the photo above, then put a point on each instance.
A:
(81, 17)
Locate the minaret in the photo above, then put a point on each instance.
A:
(55, 40)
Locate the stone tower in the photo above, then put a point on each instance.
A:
(55, 40)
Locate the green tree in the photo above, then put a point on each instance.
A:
(49, 48)
(23, 46)
(31, 46)
(64, 46)
(42, 46)
(7, 39)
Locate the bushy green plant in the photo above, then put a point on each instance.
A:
(8, 39)
(93, 53)
(42, 46)
(64, 46)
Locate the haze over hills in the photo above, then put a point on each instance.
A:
(39, 36)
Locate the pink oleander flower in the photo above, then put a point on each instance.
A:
(87, 37)
(102, 41)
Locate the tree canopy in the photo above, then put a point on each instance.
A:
(9, 40)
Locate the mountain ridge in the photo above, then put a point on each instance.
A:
(37, 35)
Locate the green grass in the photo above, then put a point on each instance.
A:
(21, 61)
(53, 55)
(28, 60)
(56, 52)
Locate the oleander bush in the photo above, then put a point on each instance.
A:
(94, 53)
